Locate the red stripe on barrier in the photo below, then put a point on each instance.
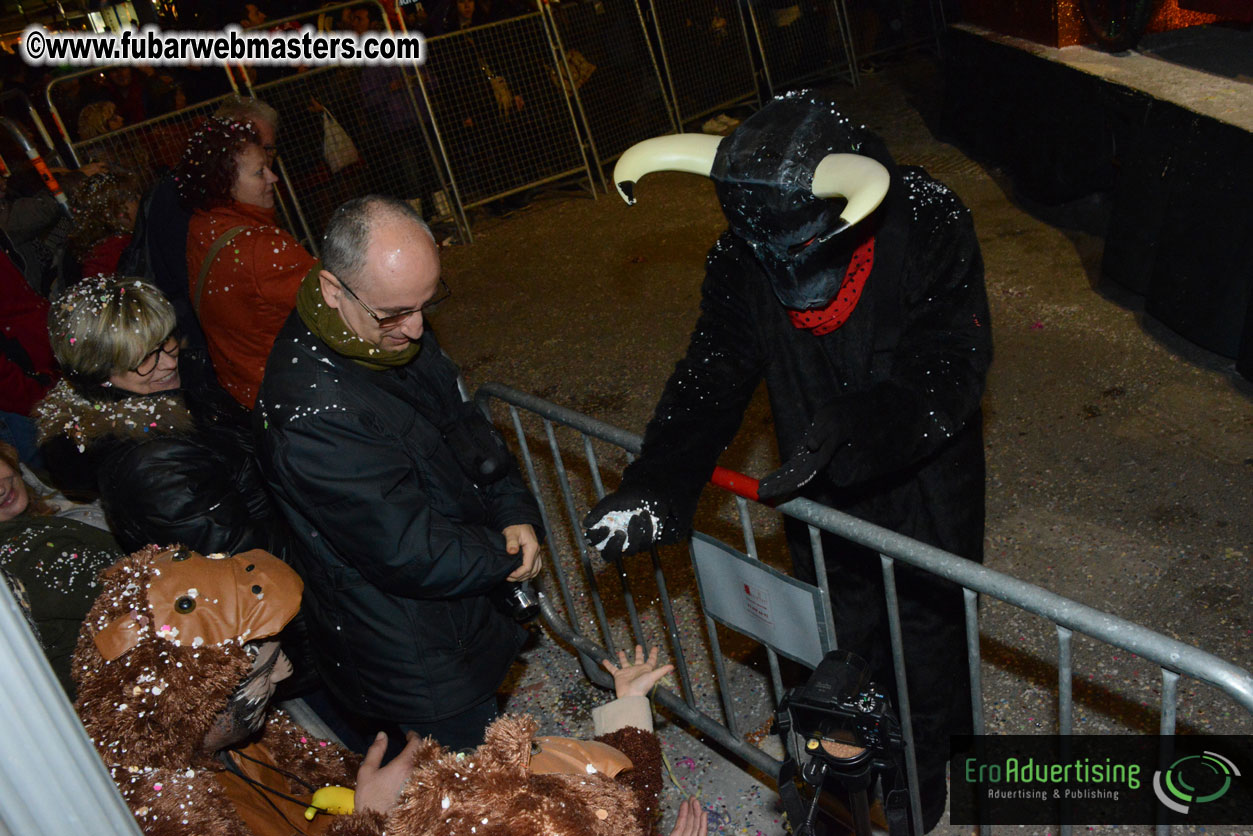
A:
(736, 483)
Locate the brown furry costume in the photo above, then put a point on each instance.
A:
(495, 792)
(151, 686)
(149, 708)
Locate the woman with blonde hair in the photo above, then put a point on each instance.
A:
(133, 423)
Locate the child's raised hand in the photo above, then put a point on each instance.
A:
(636, 680)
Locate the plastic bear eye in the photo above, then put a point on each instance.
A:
(180, 555)
(185, 604)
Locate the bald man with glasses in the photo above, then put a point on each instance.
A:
(407, 544)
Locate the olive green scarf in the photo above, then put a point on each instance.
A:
(324, 321)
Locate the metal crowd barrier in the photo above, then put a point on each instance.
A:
(611, 71)
(35, 123)
(385, 141)
(880, 27)
(502, 108)
(143, 148)
(596, 625)
(802, 41)
(705, 50)
(495, 91)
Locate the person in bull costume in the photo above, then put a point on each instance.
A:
(854, 287)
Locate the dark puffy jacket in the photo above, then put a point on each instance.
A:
(174, 467)
(397, 546)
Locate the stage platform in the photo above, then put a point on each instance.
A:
(1165, 131)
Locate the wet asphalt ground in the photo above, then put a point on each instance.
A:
(1120, 457)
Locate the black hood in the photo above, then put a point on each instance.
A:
(763, 174)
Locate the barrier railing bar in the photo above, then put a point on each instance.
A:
(593, 586)
(665, 63)
(560, 55)
(902, 686)
(672, 629)
(729, 717)
(974, 658)
(1170, 691)
(939, 22)
(750, 548)
(594, 465)
(748, 49)
(671, 109)
(314, 243)
(454, 190)
(846, 32)
(533, 478)
(37, 122)
(439, 160)
(761, 50)
(550, 23)
(824, 586)
(746, 525)
(1065, 682)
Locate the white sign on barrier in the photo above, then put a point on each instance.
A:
(752, 598)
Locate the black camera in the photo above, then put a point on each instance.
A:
(517, 600)
(842, 710)
(839, 728)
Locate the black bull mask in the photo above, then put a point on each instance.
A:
(793, 179)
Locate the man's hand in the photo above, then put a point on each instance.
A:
(521, 538)
(625, 522)
(692, 820)
(378, 786)
(638, 679)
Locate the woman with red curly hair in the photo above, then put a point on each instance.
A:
(243, 269)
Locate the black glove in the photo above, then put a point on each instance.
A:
(625, 522)
(821, 441)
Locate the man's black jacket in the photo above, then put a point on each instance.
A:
(397, 546)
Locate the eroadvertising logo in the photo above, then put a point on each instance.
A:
(1090, 779)
(1194, 779)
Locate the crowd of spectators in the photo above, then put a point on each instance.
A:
(137, 317)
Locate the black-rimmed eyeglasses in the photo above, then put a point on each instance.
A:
(148, 364)
(387, 323)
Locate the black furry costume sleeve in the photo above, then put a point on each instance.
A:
(703, 401)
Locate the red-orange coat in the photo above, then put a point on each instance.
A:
(248, 293)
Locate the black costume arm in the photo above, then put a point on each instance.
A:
(703, 401)
(377, 512)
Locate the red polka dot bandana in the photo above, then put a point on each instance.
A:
(836, 313)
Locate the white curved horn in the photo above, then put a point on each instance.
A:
(862, 181)
(693, 153)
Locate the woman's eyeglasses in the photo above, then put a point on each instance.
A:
(169, 346)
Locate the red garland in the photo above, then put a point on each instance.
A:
(836, 313)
